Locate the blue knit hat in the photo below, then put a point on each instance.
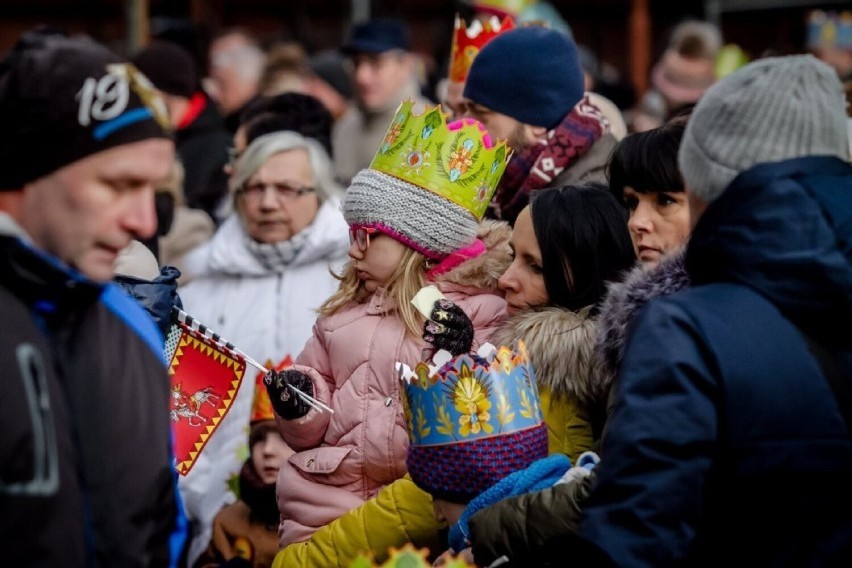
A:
(531, 74)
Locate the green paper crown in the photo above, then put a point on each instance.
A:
(458, 161)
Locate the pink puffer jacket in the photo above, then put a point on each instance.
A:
(343, 459)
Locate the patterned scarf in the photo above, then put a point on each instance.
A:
(536, 167)
(276, 257)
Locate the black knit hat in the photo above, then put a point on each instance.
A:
(170, 68)
(288, 111)
(63, 99)
(330, 66)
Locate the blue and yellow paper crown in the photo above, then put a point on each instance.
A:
(468, 399)
(457, 161)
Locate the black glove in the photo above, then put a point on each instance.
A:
(288, 404)
(449, 328)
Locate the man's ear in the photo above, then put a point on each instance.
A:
(535, 133)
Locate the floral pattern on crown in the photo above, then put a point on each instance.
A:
(457, 161)
(468, 40)
(470, 397)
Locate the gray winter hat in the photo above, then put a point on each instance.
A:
(770, 110)
(414, 216)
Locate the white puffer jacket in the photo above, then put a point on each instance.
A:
(265, 314)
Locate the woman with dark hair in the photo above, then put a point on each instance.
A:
(645, 177)
(583, 246)
(643, 174)
(568, 244)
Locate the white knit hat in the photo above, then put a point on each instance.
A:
(770, 110)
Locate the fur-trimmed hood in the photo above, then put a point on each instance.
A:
(624, 300)
(561, 345)
(482, 272)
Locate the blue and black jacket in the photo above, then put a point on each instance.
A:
(86, 467)
(726, 444)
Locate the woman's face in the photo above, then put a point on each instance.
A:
(378, 261)
(523, 281)
(271, 215)
(658, 224)
(267, 455)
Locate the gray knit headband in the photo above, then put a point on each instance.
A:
(412, 215)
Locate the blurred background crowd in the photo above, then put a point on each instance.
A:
(294, 45)
(296, 97)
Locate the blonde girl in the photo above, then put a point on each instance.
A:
(402, 236)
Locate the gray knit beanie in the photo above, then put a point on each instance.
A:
(770, 110)
(414, 216)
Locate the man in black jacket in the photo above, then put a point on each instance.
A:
(200, 134)
(86, 476)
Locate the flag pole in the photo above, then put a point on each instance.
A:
(195, 325)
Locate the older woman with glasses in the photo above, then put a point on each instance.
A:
(258, 283)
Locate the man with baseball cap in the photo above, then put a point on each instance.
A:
(86, 475)
(384, 76)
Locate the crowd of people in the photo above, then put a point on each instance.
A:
(520, 326)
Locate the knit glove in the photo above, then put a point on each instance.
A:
(287, 404)
(449, 328)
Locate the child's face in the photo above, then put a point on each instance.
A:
(267, 456)
(378, 261)
(448, 512)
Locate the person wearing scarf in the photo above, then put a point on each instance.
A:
(526, 86)
(258, 282)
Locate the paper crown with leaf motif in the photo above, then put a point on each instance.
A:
(469, 39)
(478, 417)
(456, 161)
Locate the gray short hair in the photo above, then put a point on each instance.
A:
(266, 146)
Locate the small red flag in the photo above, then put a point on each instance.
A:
(205, 376)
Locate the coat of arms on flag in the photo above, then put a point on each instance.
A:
(205, 374)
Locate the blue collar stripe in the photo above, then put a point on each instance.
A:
(119, 122)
